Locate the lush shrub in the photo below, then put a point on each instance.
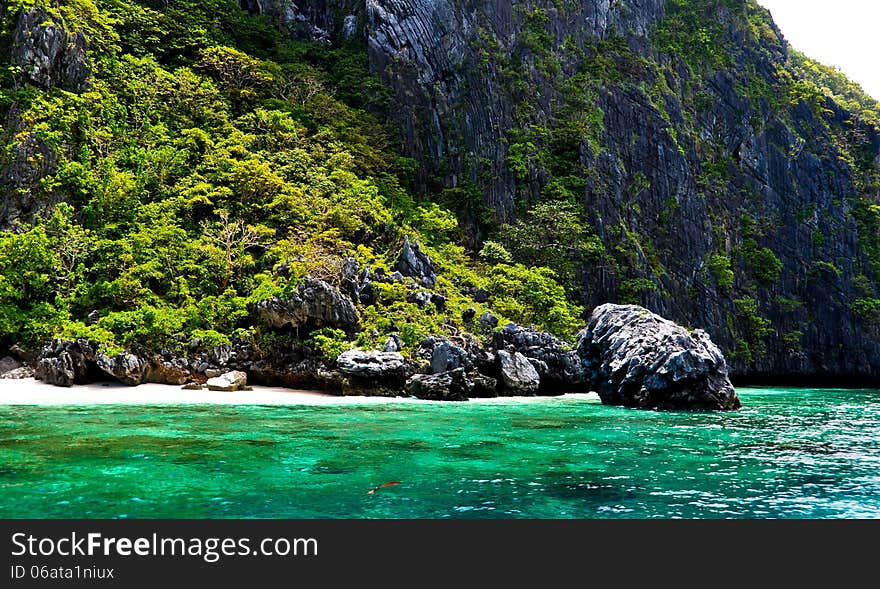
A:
(763, 263)
(868, 309)
(495, 253)
(533, 296)
(722, 269)
(329, 343)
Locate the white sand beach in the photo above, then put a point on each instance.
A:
(33, 392)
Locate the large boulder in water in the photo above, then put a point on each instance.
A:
(639, 359)
(315, 303)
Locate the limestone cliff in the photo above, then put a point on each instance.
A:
(47, 55)
(730, 181)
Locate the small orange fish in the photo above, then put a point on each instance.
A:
(391, 484)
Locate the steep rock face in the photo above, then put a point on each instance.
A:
(448, 64)
(48, 54)
(312, 20)
(30, 159)
(726, 196)
(642, 360)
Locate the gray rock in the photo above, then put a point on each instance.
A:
(66, 362)
(126, 368)
(446, 356)
(372, 365)
(58, 370)
(453, 385)
(482, 386)
(19, 373)
(447, 386)
(357, 283)
(488, 321)
(213, 372)
(558, 364)
(393, 343)
(480, 295)
(29, 158)
(306, 20)
(221, 355)
(468, 314)
(643, 360)
(517, 374)
(349, 26)
(415, 263)
(230, 381)
(7, 364)
(49, 55)
(421, 298)
(315, 304)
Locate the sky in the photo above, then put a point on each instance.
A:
(841, 33)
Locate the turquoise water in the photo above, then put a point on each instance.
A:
(788, 454)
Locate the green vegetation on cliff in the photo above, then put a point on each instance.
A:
(677, 155)
(209, 150)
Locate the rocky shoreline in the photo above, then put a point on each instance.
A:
(627, 354)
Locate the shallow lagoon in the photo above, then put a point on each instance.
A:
(791, 453)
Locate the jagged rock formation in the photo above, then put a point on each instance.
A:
(415, 263)
(626, 353)
(458, 110)
(311, 20)
(49, 55)
(725, 196)
(641, 360)
(46, 54)
(446, 386)
(517, 374)
(559, 367)
(65, 363)
(315, 304)
(31, 158)
(126, 368)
